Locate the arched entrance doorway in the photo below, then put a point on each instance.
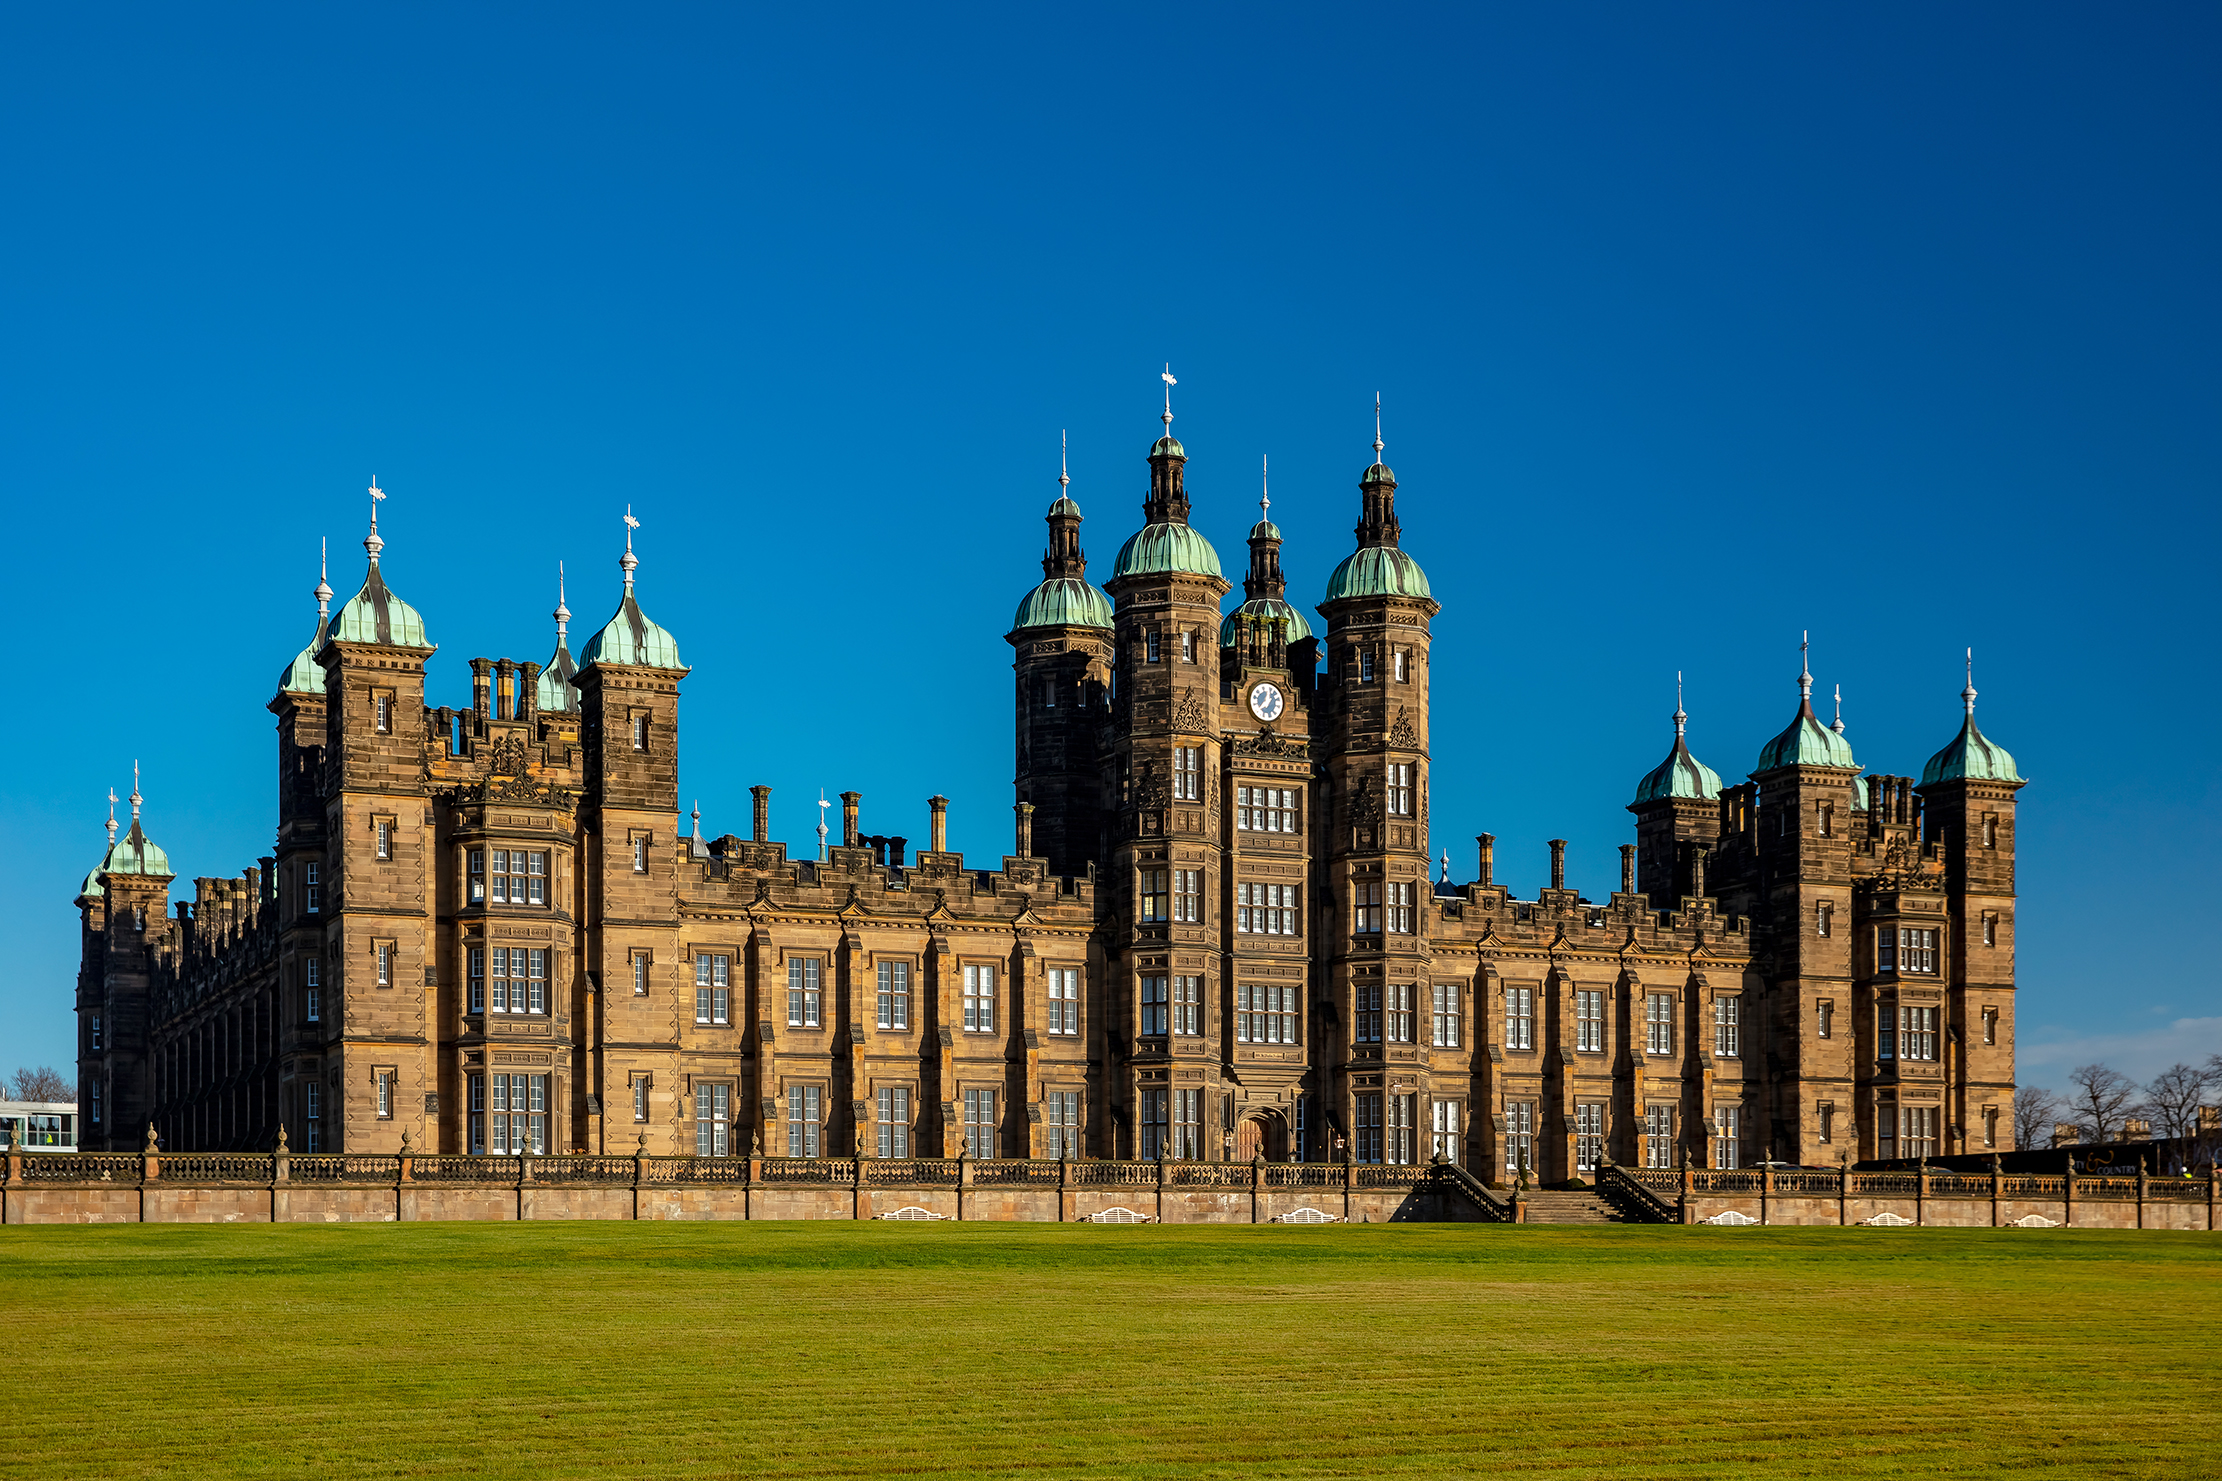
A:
(1260, 1136)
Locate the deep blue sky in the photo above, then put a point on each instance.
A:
(1696, 326)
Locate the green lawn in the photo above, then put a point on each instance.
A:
(712, 1350)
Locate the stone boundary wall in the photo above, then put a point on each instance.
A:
(104, 1188)
(232, 1188)
(1950, 1200)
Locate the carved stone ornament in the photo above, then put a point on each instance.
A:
(1404, 734)
(514, 789)
(509, 757)
(1192, 715)
(1272, 743)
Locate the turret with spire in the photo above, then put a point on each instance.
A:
(1262, 631)
(558, 690)
(1677, 812)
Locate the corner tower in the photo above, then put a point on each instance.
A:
(1373, 717)
(1968, 793)
(1063, 634)
(1677, 810)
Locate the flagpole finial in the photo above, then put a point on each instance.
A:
(1064, 462)
(1265, 487)
(1967, 695)
(1680, 719)
(1167, 378)
(1805, 671)
(136, 799)
(372, 543)
(1838, 727)
(111, 817)
(324, 578)
(628, 562)
(1377, 444)
(563, 610)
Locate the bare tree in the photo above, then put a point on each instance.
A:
(2102, 1100)
(2174, 1098)
(2034, 1112)
(44, 1083)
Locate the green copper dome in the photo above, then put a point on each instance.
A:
(1294, 629)
(305, 675)
(1064, 601)
(1065, 508)
(556, 691)
(1165, 548)
(1680, 776)
(1168, 446)
(1972, 757)
(92, 889)
(1806, 743)
(135, 853)
(1378, 571)
(629, 637)
(376, 615)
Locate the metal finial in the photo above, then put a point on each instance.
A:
(136, 799)
(562, 612)
(372, 543)
(822, 829)
(111, 817)
(1446, 866)
(1265, 487)
(1680, 719)
(1805, 672)
(1167, 378)
(1838, 727)
(1377, 426)
(697, 817)
(1967, 695)
(1064, 462)
(323, 576)
(628, 562)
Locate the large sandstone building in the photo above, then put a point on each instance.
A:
(483, 929)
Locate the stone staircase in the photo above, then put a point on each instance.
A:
(1568, 1206)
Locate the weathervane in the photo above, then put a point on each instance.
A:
(1167, 378)
(372, 543)
(628, 561)
(111, 817)
(822, 830)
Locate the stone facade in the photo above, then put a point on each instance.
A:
(1217, 938)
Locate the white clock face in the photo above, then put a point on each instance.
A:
(1266, 702)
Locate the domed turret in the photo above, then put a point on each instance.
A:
(629, 637)
(1065, 598)
(1972, 756)
(1378, 568)
(1807, 742)
(135, 853)
(1265, 612)
(375, 614)
(557, 692)
(305, 675)
(1166, 544)
(1681, 775)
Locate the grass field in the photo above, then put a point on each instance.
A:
(820, 1350)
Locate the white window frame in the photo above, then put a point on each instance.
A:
(805, 992)
(1063, 986)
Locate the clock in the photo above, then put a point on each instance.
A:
(1266, 702)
